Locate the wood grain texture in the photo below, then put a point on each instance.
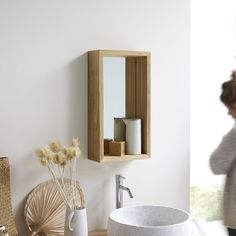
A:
(98, 233)
(117, 148)
(122, 53)
(137, 100)
(142, 102)
(107, 158)
(130, 87)
(95, 106)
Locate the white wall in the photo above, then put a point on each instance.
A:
(43, 81)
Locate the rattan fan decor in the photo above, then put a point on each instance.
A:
(45, 209)
(6, 215)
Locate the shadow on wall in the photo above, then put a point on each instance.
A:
(20, 222)
(25, 168)
(77, 101)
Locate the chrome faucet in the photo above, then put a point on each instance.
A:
(119, 191)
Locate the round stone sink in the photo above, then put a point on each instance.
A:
(149, 221)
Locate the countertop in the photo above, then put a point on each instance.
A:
(98, 233)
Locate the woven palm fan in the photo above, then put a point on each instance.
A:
(45, 209)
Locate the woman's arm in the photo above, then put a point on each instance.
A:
(223, 158)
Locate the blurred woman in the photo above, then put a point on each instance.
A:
(223, 159)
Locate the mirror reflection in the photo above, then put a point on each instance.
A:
(114, 92)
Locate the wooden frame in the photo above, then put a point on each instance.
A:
(137, 100)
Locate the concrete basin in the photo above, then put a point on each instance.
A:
(149, 221)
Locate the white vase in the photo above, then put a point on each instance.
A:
(3, 231)
(133, 136)
(76, 222)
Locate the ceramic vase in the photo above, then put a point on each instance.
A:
(133, 136)
(3, 231)
(119, 129)
(76, 222)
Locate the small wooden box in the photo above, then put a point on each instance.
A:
(106, 146)
(117, 148)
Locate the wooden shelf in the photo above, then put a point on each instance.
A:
(124, 158)
(137, 101)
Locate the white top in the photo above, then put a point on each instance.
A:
(222, 161)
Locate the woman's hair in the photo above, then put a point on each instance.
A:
(228, 95)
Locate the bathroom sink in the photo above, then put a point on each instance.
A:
(149, 221)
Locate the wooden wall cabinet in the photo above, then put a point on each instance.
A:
(137, 99)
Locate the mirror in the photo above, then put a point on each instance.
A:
(113, 92)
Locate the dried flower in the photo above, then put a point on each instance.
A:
(57, 159)
(76, 152)
(75, 142)
(41, 152)
(43, 161)
(70, 153)
(61, 162)
(65, 151)
(55, 146)
(69, 157)
(48, 157)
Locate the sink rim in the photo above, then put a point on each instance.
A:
(188, 217)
